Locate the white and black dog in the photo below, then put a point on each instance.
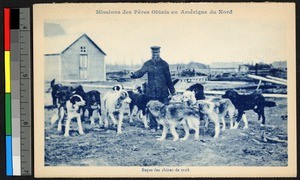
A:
(72, 109)
(138, 101)
(115, 102)
(198, 90)
(63, 94)
(172, 115)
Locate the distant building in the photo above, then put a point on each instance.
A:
(74, 58)
(243, 68)
(280, 65)
(226, 67)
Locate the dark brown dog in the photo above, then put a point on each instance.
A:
(254, 101)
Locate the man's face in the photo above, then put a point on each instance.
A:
(155, 55)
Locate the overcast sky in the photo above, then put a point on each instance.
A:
(218, 40)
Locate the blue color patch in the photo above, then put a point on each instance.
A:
(9, 164)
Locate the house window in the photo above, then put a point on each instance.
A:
(83, 66)
(83, 50)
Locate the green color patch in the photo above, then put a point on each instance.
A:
(8, 114)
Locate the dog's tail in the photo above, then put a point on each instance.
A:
(175, 81)
(270, 104)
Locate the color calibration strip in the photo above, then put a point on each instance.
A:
(17, 91)
(8, 123)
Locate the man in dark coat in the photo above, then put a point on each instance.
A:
(159, 79)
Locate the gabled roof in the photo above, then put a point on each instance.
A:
(59, 44)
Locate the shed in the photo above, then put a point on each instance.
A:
(73, 58)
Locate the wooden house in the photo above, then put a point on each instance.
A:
(73, 58)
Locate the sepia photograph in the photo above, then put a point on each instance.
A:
(164, 90)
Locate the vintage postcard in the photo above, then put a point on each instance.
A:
(164, 90)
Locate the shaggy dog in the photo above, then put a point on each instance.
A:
(189, 97)
(208, 109)
(172, 115)
(224, 107)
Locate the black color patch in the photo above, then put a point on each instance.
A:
(14, 19)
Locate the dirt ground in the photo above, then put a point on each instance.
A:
(138, 146)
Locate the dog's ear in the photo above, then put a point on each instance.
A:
(160, 105)
(149, 104)
(208, 105)
(52, 83)
(139, 88)
(74, 99)
(116, 88)
(123, 96)
(202, 104)
(232, 93)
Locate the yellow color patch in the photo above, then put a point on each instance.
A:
(7, 71)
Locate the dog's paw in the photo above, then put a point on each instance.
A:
(182, 139)
(216, 136)
(81, 132)
(245, 127)
(66, 135)
(235, 126)
(119, 132)
(176, 139)
(59, 129)
(160, 139)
